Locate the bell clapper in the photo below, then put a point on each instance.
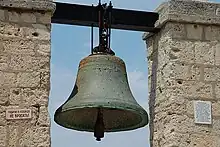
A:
(99, 126)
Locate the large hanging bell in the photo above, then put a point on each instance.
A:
(101, 100)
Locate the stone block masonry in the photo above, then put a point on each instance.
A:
(25, 28)
(184, 66)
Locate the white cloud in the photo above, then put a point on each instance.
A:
(138, 84)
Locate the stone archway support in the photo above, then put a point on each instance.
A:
(25, 42)
(184, 75)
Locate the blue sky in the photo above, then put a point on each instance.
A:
(72, 43)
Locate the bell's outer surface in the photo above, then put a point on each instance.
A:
(101, 82)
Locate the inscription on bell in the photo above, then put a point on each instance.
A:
(17, 114)
(203, 112)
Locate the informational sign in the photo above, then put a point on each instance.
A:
(203, 112)
(17, 114)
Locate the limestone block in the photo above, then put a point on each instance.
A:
(27, 63)
(13, 16)
(181, 50)
(160, 60)
(25, 136)
(159, 117)
(167, 132)
(216, 126)
(35, 96)
(45, 80)
(10, 30)
(4, 61)
(162, 42)
(41, 63)
(33, 5)
(178, 70)
(8, 79)
(191, 89)
(44, 49)
(188, 11)
(44, 34)
(41, 33)
(175, 139)
(3, 121)
(44, 119)
(19, 46)
(217, 54)
(4, 97)
(212, 74)
(201, 140)
(4, 91)
(2, 15)
(171, 93)
(40, 26)
(28, 79)
(171, 106)
(202, 90)
(24, 17)
(212, 33)
(204, 53)
(184, 124)
(2, 51)
(28, 17)
(13, 136)
(175, 30)
(217, 90)
(194, 31)
(3, 134)
(35, 136)
(44, 18)
(216, 109)
(35, 116)
(41, 136)
(21, 63)
(196, 72)
(15, 96)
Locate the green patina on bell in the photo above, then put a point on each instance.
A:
(101, 100)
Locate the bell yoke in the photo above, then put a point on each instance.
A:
(101, 100)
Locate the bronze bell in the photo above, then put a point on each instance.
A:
(101, 100)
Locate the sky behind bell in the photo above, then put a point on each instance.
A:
(72, 43)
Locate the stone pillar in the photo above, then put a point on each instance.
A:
(25, 27)
(184, 67)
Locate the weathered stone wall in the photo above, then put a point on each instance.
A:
(184, 66)
(25, 71)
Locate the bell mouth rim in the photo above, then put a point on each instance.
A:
(143, 115)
